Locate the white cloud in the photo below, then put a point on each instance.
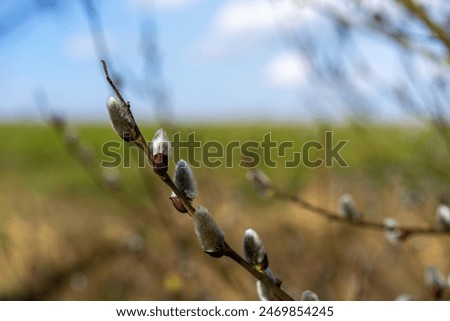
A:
(163, 4)
(240, 25)
(81, 46)
(248, 16)
(259, 15)
(287, 70)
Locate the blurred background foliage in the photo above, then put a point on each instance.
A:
(72, 230)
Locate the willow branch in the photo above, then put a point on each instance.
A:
(420, 13)
(229, 251)
(258, 275)
(111, 83)
(364, 224)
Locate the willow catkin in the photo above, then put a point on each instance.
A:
(435, 281)
(160, 152)
(391, 231)
(209, 233)
(264, 293)
(111, 178)
(185, 182)
(443, 217)
(347, 208)
(261, 182)
(309, 296)
(254, 250)
(121, 119)
(404, 297)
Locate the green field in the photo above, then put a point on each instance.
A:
(36, 153)
(67, 235)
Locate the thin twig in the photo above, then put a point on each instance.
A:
(333, 216)
(260, 276)
(96, 29)
(140, 140)
(111, 83)
(420, 13)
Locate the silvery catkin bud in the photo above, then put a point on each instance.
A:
(185, 181)
(391, 231)
(111, 178)
(309, 296)
(261, 182)
(254, 250)
(443, 217)
(135, 242)
(177, 203)
(85, 155)
(121, 119)
(404, 297)
(71, 140)
(264, 293)
(348, 209)
(160, 152)
(435, 281)
(209, 233)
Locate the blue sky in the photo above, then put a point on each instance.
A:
(220, 60)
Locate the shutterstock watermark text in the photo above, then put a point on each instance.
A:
(250, 153)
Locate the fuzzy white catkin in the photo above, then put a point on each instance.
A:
(347, 208)
(70, 139)
(209, 233)
(443, 217)
(135, 242)
(184, 180)
(261, 182)
(404, 297)
(111, 178)
(434, 278)
(391, 231)
(254, 250)
(161, 143)
(121, 118)
(309, 296)
(264, 293)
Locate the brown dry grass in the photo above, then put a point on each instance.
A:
(68, 244)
